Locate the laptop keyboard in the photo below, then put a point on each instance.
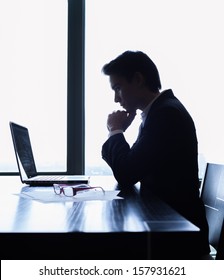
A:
(49, 178)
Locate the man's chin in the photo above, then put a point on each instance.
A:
(131, 111)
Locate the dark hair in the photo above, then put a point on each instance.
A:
(130, 62)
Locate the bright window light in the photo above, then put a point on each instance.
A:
(33, 87)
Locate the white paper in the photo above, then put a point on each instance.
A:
(47, 195)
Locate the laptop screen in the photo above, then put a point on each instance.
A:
(23, 150)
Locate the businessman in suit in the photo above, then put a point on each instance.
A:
(164, 158)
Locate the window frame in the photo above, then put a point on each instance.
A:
(75, 90)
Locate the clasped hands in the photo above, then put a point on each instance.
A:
(120, 120)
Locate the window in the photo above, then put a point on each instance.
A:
(42, 82)
(33, 87)
(182, 38)
(43, 58)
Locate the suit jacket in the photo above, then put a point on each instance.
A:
(164, 159)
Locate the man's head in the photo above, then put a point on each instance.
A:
(134, 79)
(131, 62)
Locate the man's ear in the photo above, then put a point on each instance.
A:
(139, 79)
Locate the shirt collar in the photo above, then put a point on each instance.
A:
(147, 108)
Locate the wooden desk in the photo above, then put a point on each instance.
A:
(116, 229)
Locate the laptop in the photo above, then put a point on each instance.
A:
(26, 163)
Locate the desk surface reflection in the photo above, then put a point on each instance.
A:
(101, 229)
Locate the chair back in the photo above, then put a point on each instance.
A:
(220, 248)
(212, 193)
